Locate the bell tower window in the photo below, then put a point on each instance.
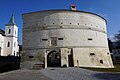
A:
(15, 32)
(9, 31)
(8, 44)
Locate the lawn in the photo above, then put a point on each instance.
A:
(116, 69)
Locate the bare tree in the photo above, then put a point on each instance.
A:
(117, 37)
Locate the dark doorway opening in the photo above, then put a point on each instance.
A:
(70, 60)
(54, 59)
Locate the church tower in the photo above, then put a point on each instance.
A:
(10, 40)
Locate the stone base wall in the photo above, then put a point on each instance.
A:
(92, 57)
(82, 57)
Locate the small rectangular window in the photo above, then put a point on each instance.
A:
(53, 41)
(89, 28)
(92, 54)
(31, 56)
(44, 39)
(101, 61)
(60, 38)
(89, 38)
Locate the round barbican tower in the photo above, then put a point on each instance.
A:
(65, 38)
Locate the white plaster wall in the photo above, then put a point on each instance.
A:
(46, 19)
(64, 57)
(10, 50)
(71, 38)
(1, 44)
(14, 31)
(77, 27)
(15, 46)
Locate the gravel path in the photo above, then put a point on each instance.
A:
(78, 74)
(23, 75)
(58, 74)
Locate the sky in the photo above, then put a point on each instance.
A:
(109, 9)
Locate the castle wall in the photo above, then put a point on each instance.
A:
(70, 38)
(92, 57)
(85, 33)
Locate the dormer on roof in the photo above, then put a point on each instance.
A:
(72, 7)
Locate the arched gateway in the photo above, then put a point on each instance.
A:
(54, 59)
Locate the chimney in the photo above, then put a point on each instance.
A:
(72, 7)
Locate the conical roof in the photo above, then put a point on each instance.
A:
(11, 21)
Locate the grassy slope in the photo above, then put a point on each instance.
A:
(116, 69)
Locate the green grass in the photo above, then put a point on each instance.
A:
(116, 69)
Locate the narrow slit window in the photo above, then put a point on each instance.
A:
(89, 28)
(92, 54)
(44, 39)
(60, 38)
(31, 56)
(89, 38)
(8, 44)
(61, 26)
(9, 31)
(61, 22)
